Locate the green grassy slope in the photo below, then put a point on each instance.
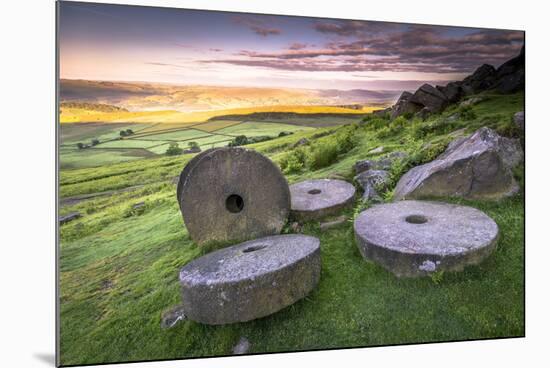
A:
(150, 140)
(119, 266)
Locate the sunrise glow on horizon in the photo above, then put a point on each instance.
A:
(178, 46)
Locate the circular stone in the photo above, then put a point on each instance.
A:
(186, 170)
(250, 280)
(415, 238)
(232, 194)
(315, 199)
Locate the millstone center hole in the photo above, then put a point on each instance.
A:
(416, 219)
(253, 248)
(234, 203)
(315, 191)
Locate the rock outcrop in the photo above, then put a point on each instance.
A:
(383, 163)
(476, 167)
(373, 181)
(508, 78)
(404, 106)
(429, 97)
(482, 79)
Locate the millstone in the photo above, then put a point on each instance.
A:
(232, 194)
(250, 280)
(416, 238)
(186, 170)
(315, 199)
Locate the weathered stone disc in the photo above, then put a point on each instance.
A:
(415, 238)
(233, 194)
(186, 170)
(250, 280)
(315, 199)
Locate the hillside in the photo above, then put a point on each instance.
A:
(154, 96)
(131, 257)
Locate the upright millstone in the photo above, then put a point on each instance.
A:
(231, 195)
(250, 280)
(186, 169)
(315, 199)
(416, 238)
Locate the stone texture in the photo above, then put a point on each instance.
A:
(173, 316)
(250, 280)
(452, 91)
(424, 113)
(376, 150)
(472, 101)
(186, 169)
(510, 76)
(430, 97)
(482, 79)
(319, 198)
(519, 119)
(231, 195)
(404, 105)
(476, 167)
(340, 220)
(242, 347)
(296, 227)
(372, 181)
(416, 238)
(383, 163)
(69, 217)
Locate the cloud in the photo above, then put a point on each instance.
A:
(163, 64)
(414, 49)
(262, 31)
(297, 46)
(353, 27)
(258, 24)
(216, 50)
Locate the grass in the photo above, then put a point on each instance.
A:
(150, 140)
(253, 129)
(73, 158)
(119, 268)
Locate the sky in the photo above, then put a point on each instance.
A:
(147, 44)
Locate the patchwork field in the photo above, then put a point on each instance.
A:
(153, 139)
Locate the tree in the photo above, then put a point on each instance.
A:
(174, 149)
(80, 145)
(123, 133)
(193, 145)
(239, 140)
(95, 142)
(129, 132)
(283, 133)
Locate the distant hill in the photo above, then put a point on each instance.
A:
(142, 96)
(91, 107)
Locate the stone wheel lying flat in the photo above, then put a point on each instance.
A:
(315, 199)
(415, 238)
(250, 280)
(231, 195)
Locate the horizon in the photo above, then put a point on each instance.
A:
(134, 44)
